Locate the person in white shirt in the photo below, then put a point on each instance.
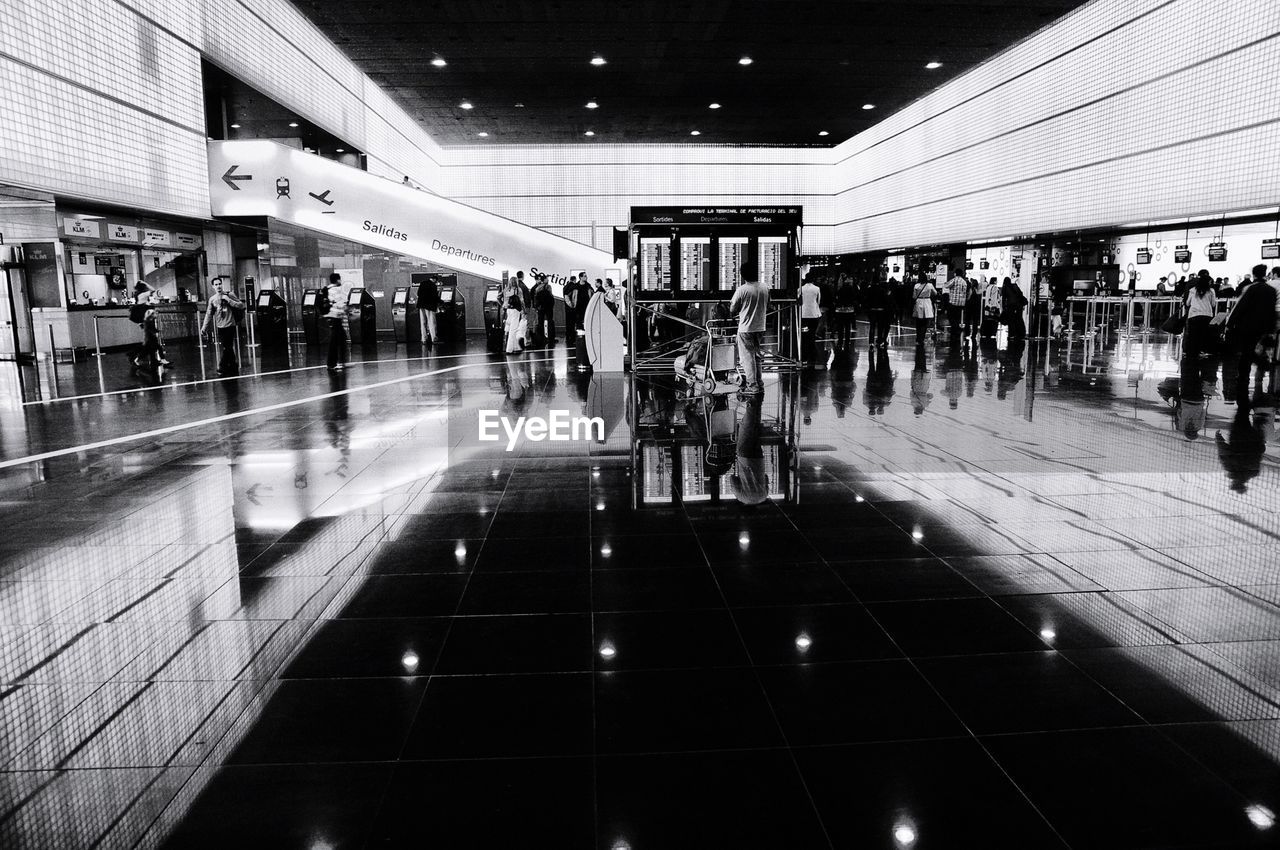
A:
(810, 315)
(337, 317)
(1202, 306)
(922, 307)
(750, 303)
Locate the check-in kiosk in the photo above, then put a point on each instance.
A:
(452, 321)
(494, 316)
(404, 316)
(315, 306)
(273, 320)
(362, 316)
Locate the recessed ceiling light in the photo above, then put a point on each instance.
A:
(466, 104)
(823, 133)
(589, 133)
(868, 106)
(932, 65)
(438, 62)
(695, 132)
(591, 104)
(714, 106)
(745, 60)
(519, 106)
(293, 123)
(482, 134)
(235, 126)
(339, 150)
(597, 60)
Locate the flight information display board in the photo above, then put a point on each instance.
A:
(695, 261)
(773, 261)
(733, 253)
(655, 263)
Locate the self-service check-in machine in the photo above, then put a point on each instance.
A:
(494, 316)
(362, 316)
(315, 306)
(273, 319)
(404, 316)
(452, 321)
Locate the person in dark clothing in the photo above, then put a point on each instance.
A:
(337, 317)
(570, 295)
(1252, 319)
(428, 307)
(585, 293)
(545, 301)
(879, 301)
(1014, 305)
(1241, 456)
(845, 312)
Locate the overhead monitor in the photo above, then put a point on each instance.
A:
(655, 262)
(1271, 252)
(733, 253)
(695, 262)
(773, 261)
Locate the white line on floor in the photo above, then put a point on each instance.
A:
(240, 414)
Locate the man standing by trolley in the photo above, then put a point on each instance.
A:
(750, 303)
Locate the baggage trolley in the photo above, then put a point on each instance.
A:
(718, 374)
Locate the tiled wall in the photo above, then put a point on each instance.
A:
(1124, 111)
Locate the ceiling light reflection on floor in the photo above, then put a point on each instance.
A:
(1048, 634)
(917, 534)
(744, 540)
(460, 551)
(1260, 816)
(803, 642)
(410, 661)
(607, 650)
(904, 835)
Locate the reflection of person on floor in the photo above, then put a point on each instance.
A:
(1241, 456)
(843, 385)
(1189, 416)
(920, 380)
(879, 386)
(750, 479)
(1011, 371)
(953, 388)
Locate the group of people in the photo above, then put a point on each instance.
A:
(530, 310)
(1249, 329)
(223, 314)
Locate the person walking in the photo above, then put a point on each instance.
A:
(957, 290)
(1014, 304)
(750, 303)
(810, 298)
(515, 315)
(845, 313)
(922, 307)
(973, 310)
(570, 295)
(545, 301)
(1252, 319)
(428, 308)
(992, 307)
(879, 306)
(1202, 306)
(337, 317)
(220, 318)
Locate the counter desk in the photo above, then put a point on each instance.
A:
(73, 327)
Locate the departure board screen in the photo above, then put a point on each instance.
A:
(655, 263)
(733, 253)
(694, 486)
(656, 473)
(695, 261)
(773, 261)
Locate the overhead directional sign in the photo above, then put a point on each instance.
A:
(231, 176)
(362, 207)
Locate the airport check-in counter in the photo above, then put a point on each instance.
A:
(494, 315)
(272, 317)
(404, 316)
(452, 321)
(362, 316)
(315, 306)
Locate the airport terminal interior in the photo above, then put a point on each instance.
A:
(639, 425)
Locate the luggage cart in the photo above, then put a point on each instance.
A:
(719, 375)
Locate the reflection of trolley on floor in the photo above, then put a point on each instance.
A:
(710, 365)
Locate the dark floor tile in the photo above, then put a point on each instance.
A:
(619, 520)
(864, 544)
(666, 639)
(441, 526)
(696, 800)
(273, 806)
(488, 803)
(328, 720)
(1242, 754)
(771, 546)
(953, 627)
(530, 521)
(812, 633)
(357, 648)
(1023, 692)
(919, 794)
(1089, 620)
(758, 585)
(856, 701)
(519, 554)
(425, 556)
(495, 716)
(527, 593)
(1125, 788)
(909, 578)
(518, 644)
(406, 596)
(666, 710)
(654, 590)
(847, 514)
(646, 551)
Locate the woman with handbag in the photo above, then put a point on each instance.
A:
(922, 307)
(1197, 338)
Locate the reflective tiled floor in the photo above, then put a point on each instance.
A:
(992, 599)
